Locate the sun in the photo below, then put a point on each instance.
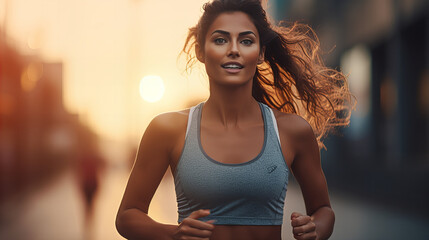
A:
(152, 88)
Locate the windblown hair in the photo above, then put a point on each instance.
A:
(293, 77)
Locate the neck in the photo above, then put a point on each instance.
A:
(231, 106)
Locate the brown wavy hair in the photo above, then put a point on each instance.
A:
(293, 77)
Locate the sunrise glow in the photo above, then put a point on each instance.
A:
(152, 88)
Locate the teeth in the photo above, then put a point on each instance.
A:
(232, 66)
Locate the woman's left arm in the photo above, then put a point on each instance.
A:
(307, 169)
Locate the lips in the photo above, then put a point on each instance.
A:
(232, 65)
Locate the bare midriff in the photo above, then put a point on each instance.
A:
(246, 232)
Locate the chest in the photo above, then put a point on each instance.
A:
(232, 146)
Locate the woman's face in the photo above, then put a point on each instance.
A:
(231, 51)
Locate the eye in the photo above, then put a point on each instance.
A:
(219, 41)
(247, 42)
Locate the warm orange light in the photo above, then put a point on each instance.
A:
(152, 88)
(31, 76)
(34, 42)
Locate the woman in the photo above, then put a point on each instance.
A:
(231, 156)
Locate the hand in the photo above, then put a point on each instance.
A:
(303, 226)
(193, 229)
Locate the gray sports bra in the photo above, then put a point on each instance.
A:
(249, 193)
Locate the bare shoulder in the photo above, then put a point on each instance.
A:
(293, 125)
(298, 138)
(170, 121)
(166, 128)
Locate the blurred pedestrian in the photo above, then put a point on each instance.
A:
(89, 167)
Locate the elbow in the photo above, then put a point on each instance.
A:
(331, 223)
(135, 224)
(324, 218)
(119, 224)
(124, 224)
(130, 224)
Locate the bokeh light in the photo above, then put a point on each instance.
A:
(31, 76)
(152, 88)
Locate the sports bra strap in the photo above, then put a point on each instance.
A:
(275, 124)
(191, 111)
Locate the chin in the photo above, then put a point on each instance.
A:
(233, 81)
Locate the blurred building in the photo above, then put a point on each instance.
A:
(38, 137)
(383, 45)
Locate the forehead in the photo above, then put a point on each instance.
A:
(233, 22)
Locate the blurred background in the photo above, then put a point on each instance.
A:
(81, 80)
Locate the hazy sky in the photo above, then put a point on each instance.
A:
(107, 46)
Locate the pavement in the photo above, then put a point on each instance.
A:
(56, 211)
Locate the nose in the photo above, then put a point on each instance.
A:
(233, 50)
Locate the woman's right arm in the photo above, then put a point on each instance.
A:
(152, 161)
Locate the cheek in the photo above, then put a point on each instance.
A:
(214, 54)
(213, 58)
(251, 54)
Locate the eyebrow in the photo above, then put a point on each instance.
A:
(227, 33)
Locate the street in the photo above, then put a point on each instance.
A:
(56, 212)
